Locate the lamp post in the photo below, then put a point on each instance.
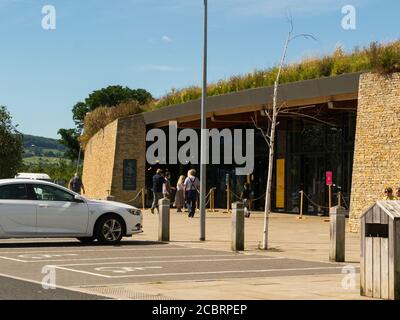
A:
(80, 151)
(203, 147)
(79, 159)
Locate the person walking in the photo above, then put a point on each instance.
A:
(167, 185)
(389, 194)
(76, 185)
(180, 194)
(158, 182)
(398, 194)
(192, 185)
(245, 197)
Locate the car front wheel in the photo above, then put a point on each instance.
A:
(110, 229)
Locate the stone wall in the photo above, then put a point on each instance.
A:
(99, 162)
(131, 145)
(377, 145)
(123, 139)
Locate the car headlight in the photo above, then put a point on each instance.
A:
(135, 212)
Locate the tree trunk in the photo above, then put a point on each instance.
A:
(268, 192)
(271, 157)
(271, 137)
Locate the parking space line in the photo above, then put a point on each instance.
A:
(117, 258)
(225, 272)
(197, 273)
(82, 271)
(13, 259)
(170, 261)
(94, 250)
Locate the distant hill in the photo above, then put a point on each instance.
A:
(35, 146)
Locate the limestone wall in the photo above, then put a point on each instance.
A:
(123, 139)
(99, 162)
(131, 145)
(377, 143)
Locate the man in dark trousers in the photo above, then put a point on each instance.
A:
(192, 186)
(158, 181)
(76, 185)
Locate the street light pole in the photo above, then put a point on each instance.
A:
(203, 148)
(79, 154)
(79, 159)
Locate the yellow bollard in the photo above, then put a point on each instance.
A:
(213, 199)
(339, 199)
(228, 198)
(210, 199)
(301, 204)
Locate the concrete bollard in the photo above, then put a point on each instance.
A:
(238, 226)
(163, 224)
(337, 234)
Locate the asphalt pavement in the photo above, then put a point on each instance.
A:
(13, 289)
(295, 267)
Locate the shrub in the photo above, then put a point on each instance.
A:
(385, 59)
(102, 116)
(381, 58)
(376, 58)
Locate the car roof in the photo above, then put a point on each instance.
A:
(32, 175)
(19, 181)
(30, 181)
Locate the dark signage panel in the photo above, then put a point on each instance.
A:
(377, 230)
(129, 177)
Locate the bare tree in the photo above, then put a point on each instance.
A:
(269, 134)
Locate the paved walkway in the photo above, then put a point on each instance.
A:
(306, 239)
(295, 267)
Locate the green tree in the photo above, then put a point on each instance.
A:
(69, 138)
(11, 149)
(79, 112)
(108, 97)
(61, 172)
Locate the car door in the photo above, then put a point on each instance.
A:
(58, 213)
(17, 210)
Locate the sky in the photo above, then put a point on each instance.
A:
(157, 45)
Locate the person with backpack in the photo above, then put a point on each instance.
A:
(245, 197)
(76, 185)
(158, 183)
(167, 190)
(192, 186)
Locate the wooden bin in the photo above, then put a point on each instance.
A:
(380, 251)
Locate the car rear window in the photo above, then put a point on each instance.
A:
(13, 192)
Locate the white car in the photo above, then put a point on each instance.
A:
(40, 209)
(33, 176)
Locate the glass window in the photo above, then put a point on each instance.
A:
(13, 192)
(49, 193)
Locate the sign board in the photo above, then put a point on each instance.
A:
(129, 176)
(329, 178)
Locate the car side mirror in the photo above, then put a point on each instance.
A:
(79, 199)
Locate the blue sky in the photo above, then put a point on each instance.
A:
(157, 45)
